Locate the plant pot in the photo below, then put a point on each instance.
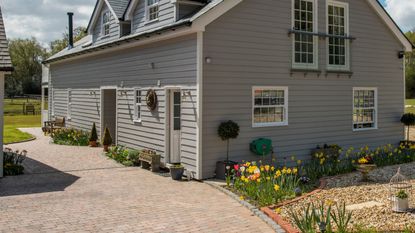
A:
(176, 173)
(221, 172)
(365, 169)
(106, 148)
(400, 205)
(93, 143)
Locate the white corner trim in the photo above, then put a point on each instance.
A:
(202, 19)
(392, 26)
(130, 10)
(98, 13)
(199, 126)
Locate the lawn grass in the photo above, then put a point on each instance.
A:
(11, 123)
(15, 106)
(410, 102)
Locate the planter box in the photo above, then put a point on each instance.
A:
(400, 205)
(149, 159)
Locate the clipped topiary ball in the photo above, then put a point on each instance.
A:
(228, 130)
(408, 119)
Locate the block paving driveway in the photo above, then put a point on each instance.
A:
(76, 189)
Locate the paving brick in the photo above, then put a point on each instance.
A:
(76, 189)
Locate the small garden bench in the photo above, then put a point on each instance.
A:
(150, 159)
(50, 126)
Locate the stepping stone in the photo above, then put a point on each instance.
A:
(364, 205)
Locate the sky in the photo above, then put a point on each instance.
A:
(46, 20)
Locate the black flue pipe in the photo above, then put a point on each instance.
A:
(70, 34)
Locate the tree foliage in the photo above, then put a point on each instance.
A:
(26, 55)
(60, 44)
(410, 68)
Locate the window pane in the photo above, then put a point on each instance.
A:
(364, 112)
(336, 27)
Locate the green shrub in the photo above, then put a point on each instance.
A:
(93, 137)
(107, 139)
(121, 154)
(12, 162)
(71, 137)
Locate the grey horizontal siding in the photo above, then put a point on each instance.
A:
(166, 16)
(174, 64)
(60, 102)
(114, 34)
(150, 132)
(249, 46)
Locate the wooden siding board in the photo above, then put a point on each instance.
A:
(249, 46)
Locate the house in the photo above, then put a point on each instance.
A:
(163, 74)
(5, 68)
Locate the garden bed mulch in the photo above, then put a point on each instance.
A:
(369, 202)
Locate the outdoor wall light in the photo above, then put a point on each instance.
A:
(92, 93)
(186, 93)
(401, 54)
(208, 60)
(152, 65)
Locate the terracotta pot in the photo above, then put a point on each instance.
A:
(106, 148)
(93, 143)
(365, 169)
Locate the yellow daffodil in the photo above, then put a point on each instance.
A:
(268, 178)
(258, 180)
(266, 167)
(289, 171)
(284, 170)
(272, 168)
(278, 173)
(276, 187)
(242, 198)
(277, 210)
(295, 171)
(299, 162)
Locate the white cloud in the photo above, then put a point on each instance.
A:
(403, 12)
(46, 20)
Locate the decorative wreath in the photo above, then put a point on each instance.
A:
(151, 99)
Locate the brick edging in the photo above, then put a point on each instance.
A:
(27, 140)
(270, 210)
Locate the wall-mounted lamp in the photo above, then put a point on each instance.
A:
(158, 83)
(208, 60)
(92, 93)
(152, 65)
(401, 54)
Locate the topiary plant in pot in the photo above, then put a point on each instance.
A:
(93, 137)
(226, 131)
(408, 119)
(107, 140)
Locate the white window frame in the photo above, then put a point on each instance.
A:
(285, 106)
(148, 8)
(52, 101)
(375, 89)
(103, 24)
(344, 5)
(138, 107)
(69, 106)
(314, 65)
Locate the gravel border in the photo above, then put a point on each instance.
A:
(277, 228)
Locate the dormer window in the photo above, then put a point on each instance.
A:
(152, 10)
(106, 18)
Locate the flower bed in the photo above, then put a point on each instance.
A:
(70, 137)
(127, 157)
(12, 162)
(265, 185)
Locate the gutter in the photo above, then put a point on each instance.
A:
(121, 41)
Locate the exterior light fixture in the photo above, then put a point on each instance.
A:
(401, 54)
(208, 60)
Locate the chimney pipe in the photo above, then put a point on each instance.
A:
(70, 17)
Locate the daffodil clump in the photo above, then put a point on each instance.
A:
(265, 184)
(71, 137)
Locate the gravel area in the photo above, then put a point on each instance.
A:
(371, 199)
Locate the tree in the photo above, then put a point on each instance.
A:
(60, 44)
(26, 56)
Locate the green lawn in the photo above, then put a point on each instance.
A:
(15, 106)
(410, 102)
(11, 123)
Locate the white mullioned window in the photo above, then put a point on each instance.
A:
(106, 23)
(152, 10)
(364, 108)
(137, 105)
(68, 114)
(338, 25)
(270, 106)
(305, 44)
